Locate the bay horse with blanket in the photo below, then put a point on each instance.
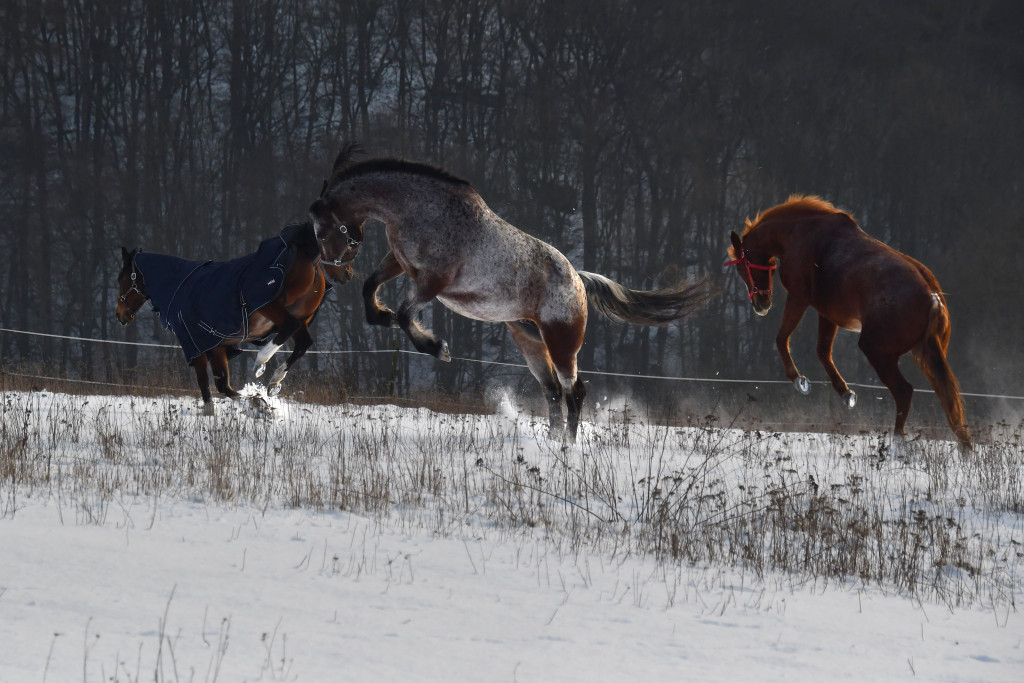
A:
(855, 282)
(267, 297)
(454, 248)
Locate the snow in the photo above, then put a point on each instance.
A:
(168, 583)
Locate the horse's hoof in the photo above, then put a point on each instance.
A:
(850, 397)
(279, 374)
(273, 390)
(210, 409)
(802, 385)
(260, 369)
(444, 354)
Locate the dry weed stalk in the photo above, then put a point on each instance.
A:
(827, 509)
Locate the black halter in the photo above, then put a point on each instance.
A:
(352, 242)
(135, 273)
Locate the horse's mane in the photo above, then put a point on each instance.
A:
(796, 205)
(344, 168)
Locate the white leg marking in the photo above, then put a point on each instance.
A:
(266, 353)
(279, 373)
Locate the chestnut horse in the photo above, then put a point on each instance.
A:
(301, 250)
(454, 248)
(855, 282)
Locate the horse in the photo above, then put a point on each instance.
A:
(259, 302)
(854, 281)
(455, 249)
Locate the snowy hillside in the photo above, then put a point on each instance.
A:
(143, 541)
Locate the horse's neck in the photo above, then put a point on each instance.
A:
(391, 198)
(302, 238)
(773, 237)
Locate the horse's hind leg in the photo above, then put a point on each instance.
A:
(826, 336)
(563, 341)
(527, 338)
(378, 315)
(887, 365)
(203, 379)
(422, 292)
(574, 407)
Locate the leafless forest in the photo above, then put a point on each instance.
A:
(631, 135)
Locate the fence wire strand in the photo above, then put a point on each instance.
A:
(338, 352)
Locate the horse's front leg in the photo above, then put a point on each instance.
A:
(286, 325)
(422, 292)
(826, 337)
(790, 319)
(221, 371)
(303, 341)
(376, 314)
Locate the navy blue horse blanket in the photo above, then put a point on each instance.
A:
(207, 302)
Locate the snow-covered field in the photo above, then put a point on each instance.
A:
(142, 541)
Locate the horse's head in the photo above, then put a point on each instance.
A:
(131, 287)
(338, 235)
(756, 268)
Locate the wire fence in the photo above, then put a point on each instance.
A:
(707, 394)
(599, 373)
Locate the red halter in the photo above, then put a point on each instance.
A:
(746, 262)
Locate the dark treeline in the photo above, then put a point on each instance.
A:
(631, 135)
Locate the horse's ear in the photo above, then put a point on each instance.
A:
(124, 253)
(316, 209)
(737, 244)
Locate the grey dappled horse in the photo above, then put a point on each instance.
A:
(456, 249)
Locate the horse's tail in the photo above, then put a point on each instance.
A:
(930, 355)
(658, 307)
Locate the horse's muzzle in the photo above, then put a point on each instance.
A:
(339, 274)
(761, 303)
